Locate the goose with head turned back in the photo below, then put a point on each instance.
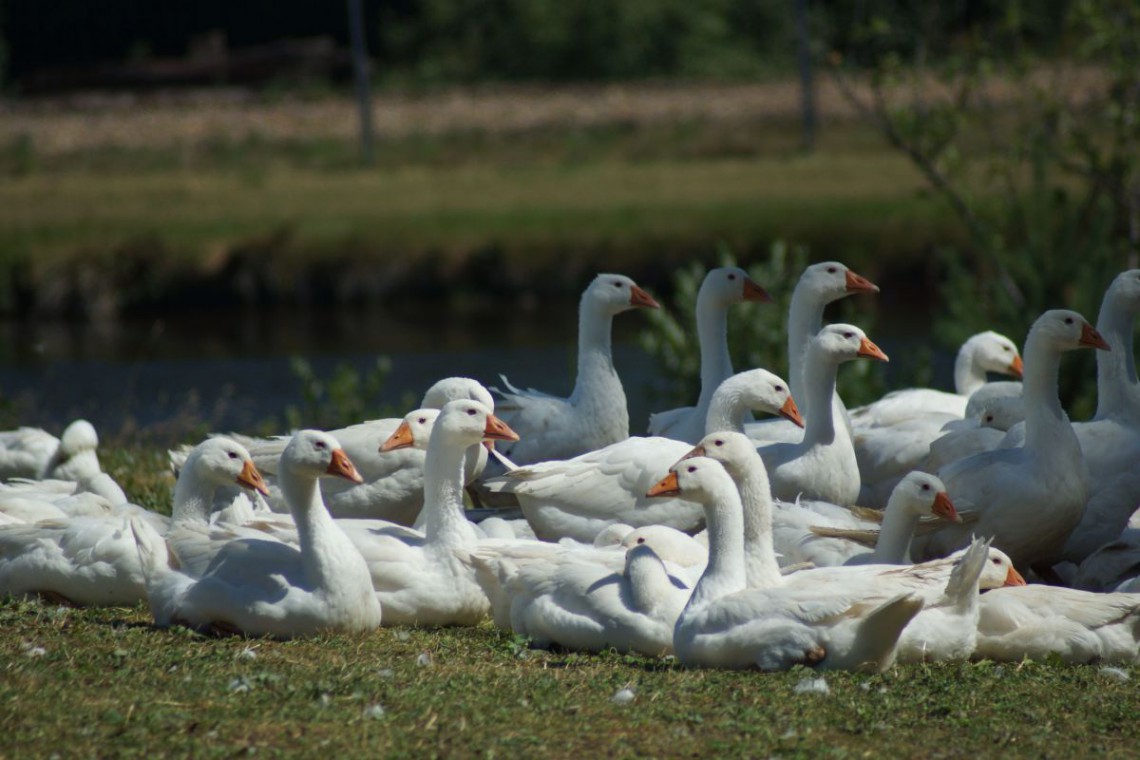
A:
(728, 625)
(34, 453)
(266, 588)
(393, 483)
(822, 465)
(1110, 441)
(578, 497)
(1029, 498)
(419, 577)
(92, 560)
(819, 285)
(721, 288)
(595, 415)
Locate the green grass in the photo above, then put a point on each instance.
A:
(100, 682)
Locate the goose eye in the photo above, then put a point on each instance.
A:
(1068, 320)
(732, 277)
(848, 335)
(319, 445)
(423, 420)
(1006, 349)
(233, 455)
(925, 487)
(617, 284)
(996, 561)
(832, 270)
(989, 418)
(718, 443)
(641, 540)
(692, 469)
(471, 412)
(779, 389)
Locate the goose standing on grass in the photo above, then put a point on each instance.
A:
(595, 415)
(981, 353)
(822, 465)
(721, 288)
(393, 487)
(259, 587)
(93, 560)
(578, 497)
(1028, 499)
(819, 285)
(728, 625)
(419, 577)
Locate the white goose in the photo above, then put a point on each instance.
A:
(92, 560)
(419, 577)
(34, 453)
(819, 285)
(822, 465)
(265, 588)
(721, 288)
(981, 353)
(393, 487)
(1029, 498)
(728, 625)
(578, 497)
(595, 415)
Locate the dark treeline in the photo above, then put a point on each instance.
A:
(463, 41)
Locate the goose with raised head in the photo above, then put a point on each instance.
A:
(393, 482)
(259, 587)
(578, 497)
(1110, 441)
(981, 353)
(721, 288)
(419, 577)
(822, 465)
(1027, 499)
(725, 624)
(819, 285)
(93, 560)
(595, 414)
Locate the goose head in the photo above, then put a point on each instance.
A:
(999, 571)
(698, 479)
(1125, 289)
(923, 494)
(314, 454)
(453, 388)
(222, 462)
(1066, 330)
(612, 535)
(993, 352)
(79, 436)
(846, 342)
(734, 451)
(463, 422)
(614, 293)
(724, 286)
(414, 431)
(829, 281)
(763, 391)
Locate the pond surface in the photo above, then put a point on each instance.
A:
(232, 369)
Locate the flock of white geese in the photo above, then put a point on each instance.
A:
(725, 541)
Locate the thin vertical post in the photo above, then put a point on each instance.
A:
(360, 69)
(807, 91)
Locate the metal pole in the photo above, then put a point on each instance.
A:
(807, 91)
(360, 70)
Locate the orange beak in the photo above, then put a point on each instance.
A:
(790, 411)
(667, 486)
(1017, 367)
(401, 439)
(1093, 339)
(857, 284)
(250, 477)
(342, 467)
(638, 297)
(497, 430)
(944, 508)
(753, 292)
(1014, 578)
(871, 351)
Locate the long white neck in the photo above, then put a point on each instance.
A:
(1118, 392)
(443, 520)
(760, 565)
(968, 376)
(820, 370)
(1044, 417)
(319, 538)
(598, 385)
(712, 334)
(899, 522)
(805, 317)
(724, 573)
(193, 495)
(727, 409)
